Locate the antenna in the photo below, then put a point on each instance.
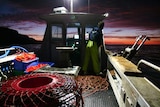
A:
(71, 6)
(88, 6)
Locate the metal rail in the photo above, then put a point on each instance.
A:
(130, 52)
(148, 64)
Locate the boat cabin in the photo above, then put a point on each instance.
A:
(66, 35)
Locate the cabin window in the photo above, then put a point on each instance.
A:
(72, 37)
(71, 32)
(57, 31)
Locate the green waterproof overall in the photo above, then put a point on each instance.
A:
(91, 54)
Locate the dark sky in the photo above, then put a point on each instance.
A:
(126, 17)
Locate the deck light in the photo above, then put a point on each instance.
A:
(106, 14)
(71, 6)
(60, 10)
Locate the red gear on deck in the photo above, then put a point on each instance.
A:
(40, 89)
(25, 56)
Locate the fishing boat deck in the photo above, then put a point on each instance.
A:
(104, 98)
(74, 70)
(132, 86)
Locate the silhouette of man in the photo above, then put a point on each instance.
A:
(92, 49)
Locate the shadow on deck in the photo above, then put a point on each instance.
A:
(104, 98)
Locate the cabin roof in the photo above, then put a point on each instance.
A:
(83, 18)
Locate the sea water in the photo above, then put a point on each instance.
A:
(150, 53)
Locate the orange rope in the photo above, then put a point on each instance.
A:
(25, 56)
(91, 84)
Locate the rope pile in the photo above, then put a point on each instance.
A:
(91, 84)
(40, 90)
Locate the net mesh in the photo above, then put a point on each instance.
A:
(41, 89)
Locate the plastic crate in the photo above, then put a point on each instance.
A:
(34, 64)
(22, 65)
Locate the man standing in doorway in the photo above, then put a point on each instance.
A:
(92, 50)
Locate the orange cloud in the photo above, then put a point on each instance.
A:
(37, 37)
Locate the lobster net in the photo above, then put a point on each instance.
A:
(39, 90)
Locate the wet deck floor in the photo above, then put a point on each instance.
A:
(104, 98)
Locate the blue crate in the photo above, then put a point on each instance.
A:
(22, 65)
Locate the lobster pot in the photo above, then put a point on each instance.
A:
(41, 90)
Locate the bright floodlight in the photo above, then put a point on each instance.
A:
(106, 14)
(71, 4)
(60, 10)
